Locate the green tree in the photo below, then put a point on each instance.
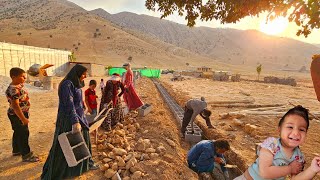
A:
(72, 57)
(259, 68)
(305, 13)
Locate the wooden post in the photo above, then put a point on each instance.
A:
(4, 62)
(11, 57)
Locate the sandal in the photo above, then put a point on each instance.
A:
(30, 158)
(94, 167)
(16, 154)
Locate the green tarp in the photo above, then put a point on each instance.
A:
(116, 70)
(150, 73)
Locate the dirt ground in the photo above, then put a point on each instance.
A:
(244, 141)
(160, 124)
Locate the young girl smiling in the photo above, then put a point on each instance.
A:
(281, 158)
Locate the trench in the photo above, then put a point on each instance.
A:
(231, 157)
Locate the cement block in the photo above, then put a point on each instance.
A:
(195, 137)
(144, 110)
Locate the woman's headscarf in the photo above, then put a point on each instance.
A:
(75, 74)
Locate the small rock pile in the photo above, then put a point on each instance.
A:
(122, 155)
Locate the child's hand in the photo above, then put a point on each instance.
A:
(218, 160)
(315, 164)
(89, 110)
(296, 167)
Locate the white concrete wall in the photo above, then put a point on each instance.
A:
(14, 55)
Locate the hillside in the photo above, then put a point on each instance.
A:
(237, 47)
(63, 25)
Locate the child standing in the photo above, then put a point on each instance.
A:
(18, 113)
(91, 100)
(281, 158)
(102, 85)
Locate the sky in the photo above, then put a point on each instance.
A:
(138, 7)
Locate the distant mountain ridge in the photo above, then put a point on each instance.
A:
(64, 25)
(111, 39)
(238, 47)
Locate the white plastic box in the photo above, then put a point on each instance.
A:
(74, 148)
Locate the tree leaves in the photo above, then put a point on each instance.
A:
(305, 13)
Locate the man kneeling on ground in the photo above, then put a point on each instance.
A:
(203, 156)
(192, 109)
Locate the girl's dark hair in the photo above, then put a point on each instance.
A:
(297, 110)
(14, 72)
(92, 82)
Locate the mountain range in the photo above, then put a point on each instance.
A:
(111, 39)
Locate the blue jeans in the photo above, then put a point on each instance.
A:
(90, 117)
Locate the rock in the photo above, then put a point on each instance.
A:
(228, 128)
(144, 157)
(119, 151)
(237, 122)
(103, 137)
(161, 149)
(101, 147)
(115, 166)
(117, 140)
(145, 132)
(128, 157)
(111, 155)
(109, 146)
(126, 178)
(150, 150)
(120, 125)
(121, 133)
(104, 167)
(128, 148)
(104, 155)
(136, 175)
(147, 143)
(250, 129)
(140, 146)
(131, 163)
(134, 169)
(126, 173)
(221, 123)
(109, 173)
(171, 143)
(137, 125)
(154, 155)
(114, 177)
(121, 162)
(106, 160)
